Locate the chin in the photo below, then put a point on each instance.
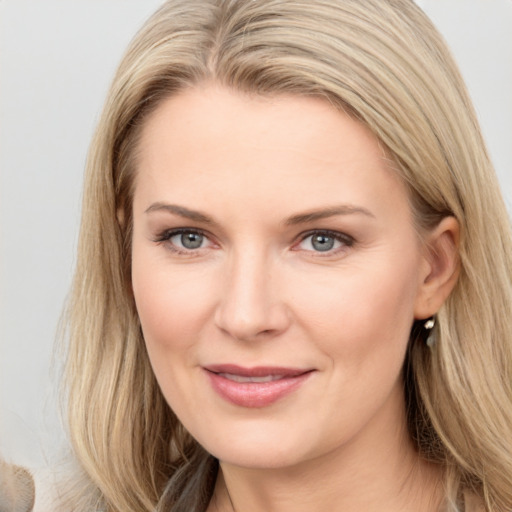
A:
(259, 457)
(261, 446)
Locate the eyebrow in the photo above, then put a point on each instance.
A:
(180, 211)
(324, 213)
(301, 218)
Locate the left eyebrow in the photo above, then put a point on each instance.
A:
(324, 213)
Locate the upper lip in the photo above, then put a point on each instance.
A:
(256, 371)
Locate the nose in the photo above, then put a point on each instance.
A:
(251, 306)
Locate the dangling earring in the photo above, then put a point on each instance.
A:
(428, 327)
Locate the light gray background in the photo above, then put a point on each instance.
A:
(56, 60)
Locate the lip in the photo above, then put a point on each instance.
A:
(255, 387)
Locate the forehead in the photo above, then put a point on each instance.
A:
(211, 111)
(218, 141)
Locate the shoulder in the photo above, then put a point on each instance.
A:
(65, 487)
(17, 491)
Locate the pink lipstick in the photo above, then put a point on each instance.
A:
(255, 387)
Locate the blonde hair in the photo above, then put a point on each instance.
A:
(383, 62)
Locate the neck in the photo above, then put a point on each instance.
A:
(377, 471)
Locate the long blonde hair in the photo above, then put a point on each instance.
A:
(383, 62)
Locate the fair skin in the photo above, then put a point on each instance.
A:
(271, 234)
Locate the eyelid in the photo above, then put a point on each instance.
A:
(165, 234)
(344, 238)
(164, 237)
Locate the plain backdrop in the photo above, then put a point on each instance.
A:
(57, 58)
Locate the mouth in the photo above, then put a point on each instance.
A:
(241, 378)
(255, 387)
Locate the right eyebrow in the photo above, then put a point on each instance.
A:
(181, 211)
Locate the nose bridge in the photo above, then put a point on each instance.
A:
(251, 304)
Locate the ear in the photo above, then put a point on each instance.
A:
(439, 269)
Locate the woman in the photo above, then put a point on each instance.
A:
(294, 277)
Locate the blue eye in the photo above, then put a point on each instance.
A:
(325, 241)
(322, 243)
(188, 240)
(183, 240)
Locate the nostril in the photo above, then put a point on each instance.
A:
(248, 308)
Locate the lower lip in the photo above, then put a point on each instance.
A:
(255, 394)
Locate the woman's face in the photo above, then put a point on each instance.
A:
(276, 272)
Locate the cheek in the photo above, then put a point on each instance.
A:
(360, 321)
(362, 311)
(172, 309)
(172, 305)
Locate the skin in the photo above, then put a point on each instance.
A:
(258, 292)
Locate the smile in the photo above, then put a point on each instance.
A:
(255, 387)
(241, 378)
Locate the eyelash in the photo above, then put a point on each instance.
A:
(345, 240)
(165, 236)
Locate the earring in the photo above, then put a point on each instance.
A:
(428, 327)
